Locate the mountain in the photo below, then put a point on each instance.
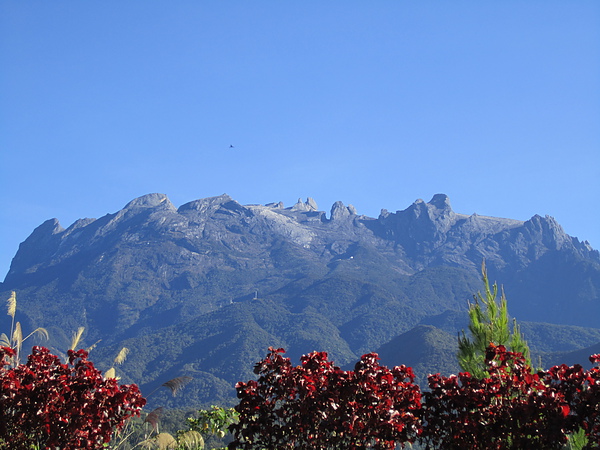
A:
(425, 348)
(204, 289)
(569, 358)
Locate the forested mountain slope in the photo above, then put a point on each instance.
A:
(204, 289)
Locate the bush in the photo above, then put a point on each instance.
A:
(511, 408)
(318, 406)
(47, 404)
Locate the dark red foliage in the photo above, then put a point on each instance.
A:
(61, 406)
(318, 406)
(512, 408)
(589, 406)
(581, 389)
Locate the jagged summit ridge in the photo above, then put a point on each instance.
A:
(425, 233)
(437, 209)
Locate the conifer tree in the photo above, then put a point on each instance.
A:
(489, 323)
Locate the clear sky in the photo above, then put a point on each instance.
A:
(376, 104)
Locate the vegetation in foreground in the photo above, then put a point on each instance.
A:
(498, 402)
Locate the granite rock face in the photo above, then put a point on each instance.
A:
(295, 277)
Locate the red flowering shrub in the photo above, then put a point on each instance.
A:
(51, 405)
(511, 408)
(589, 406)
(581, 390)
(318, 406)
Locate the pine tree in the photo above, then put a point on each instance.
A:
(489, 323)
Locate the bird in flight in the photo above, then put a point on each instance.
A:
(231, 146)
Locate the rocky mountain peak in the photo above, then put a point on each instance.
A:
(39, 246)
(437, 209)
(547, 231)
(339, 211)
(421, 222)
(440, 201)
(150, 201)
(204, 205)
(44, 234)
(49, 227)
(309, 205)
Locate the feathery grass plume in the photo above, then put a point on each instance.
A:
(42, 332)
(174, 385)
(166, 441)
(12, 310)
(185, 440)
(4, 340)
(17, 337)
(76, 338)
(153, 418)
(147, 444)
(191, 440)
(111, 373)
(12, 304)
(93, 346)
(162, 441)
(177, 383)
(122, 356)
(119, 359)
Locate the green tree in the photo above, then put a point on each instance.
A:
(489, 323)
(213, 423)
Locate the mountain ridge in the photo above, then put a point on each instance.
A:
(420, 221)
(252, 276)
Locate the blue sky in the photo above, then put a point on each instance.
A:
(376, 104)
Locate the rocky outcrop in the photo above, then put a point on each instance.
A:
(309, 205)
(340, 212)
(421, 222)
(150, 201)
(39, 248)
(205, 206)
